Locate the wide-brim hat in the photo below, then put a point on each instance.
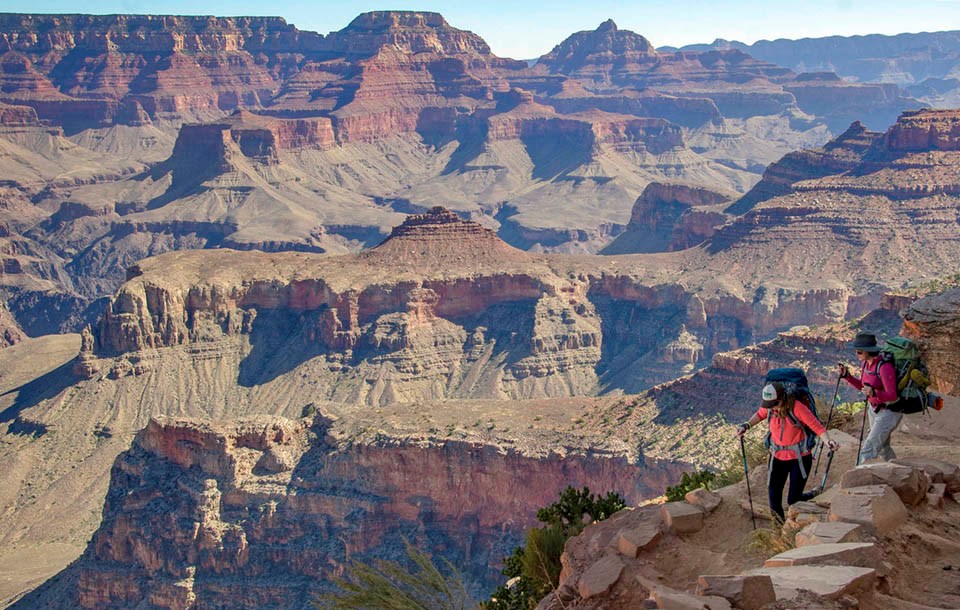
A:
(771, 394)
(865, 342)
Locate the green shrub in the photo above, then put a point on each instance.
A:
(388, 585)
(534, 569)
(688, 482)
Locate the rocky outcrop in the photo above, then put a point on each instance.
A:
(669, 217)
(10, 331)
(17, 115)
(409, 32)
(924, 130)
(842, 154)
(263, 512)
(934, 322)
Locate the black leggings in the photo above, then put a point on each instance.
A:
(778, 478)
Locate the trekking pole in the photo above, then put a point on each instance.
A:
(866, 405)
(826, 471)
(746, 475)
(836, 394)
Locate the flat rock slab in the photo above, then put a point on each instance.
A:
(746, 592)
(830, 582)
(909, 482)
(938, 470)
(877, 507)
(601, 577)
(682, 517)
(859, 554)
(669, 599)
(830, 532)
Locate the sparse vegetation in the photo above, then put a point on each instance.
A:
(730, 473)
(772, 540)
(688, 482)
(534, 570)
(388, 585)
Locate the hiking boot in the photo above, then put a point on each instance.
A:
(808, 495)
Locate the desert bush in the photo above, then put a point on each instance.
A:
(389, 585)
(534, 569)
(772, 540)
(688, 482)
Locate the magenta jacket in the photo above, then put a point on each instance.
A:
(884, 384)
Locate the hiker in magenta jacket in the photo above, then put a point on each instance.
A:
(878, 382)
(790, 456)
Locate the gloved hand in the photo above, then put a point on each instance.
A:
(742, 428)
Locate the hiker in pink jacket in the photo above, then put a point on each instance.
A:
(878, 382)
(789, 453)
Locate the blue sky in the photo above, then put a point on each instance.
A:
(527, 29)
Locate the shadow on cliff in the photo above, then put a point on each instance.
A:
(34, 392)
(57, 592)
(556, 155)
(280, 341)
(632, 334)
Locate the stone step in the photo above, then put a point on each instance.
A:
(858, 554)
(830, 532)
(831, 582)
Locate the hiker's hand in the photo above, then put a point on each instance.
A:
(842, 370)
(742, 429)
(868, 390)
(833, 445)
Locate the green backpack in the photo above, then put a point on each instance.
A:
(912, 379)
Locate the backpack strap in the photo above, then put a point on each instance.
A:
(796, 448)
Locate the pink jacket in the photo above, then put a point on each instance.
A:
(884, 384)
(785, 433)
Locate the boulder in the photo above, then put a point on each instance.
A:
(704, 499)
(682, 517)
(877, 507)
(633, 541)
(600, 578)
(829, 532)
(860, 554)
(742, 591)
(831, 582)
(909, 482)
(937, 470)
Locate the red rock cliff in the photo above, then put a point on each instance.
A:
(264, 512)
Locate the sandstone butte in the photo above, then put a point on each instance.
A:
(128, 136)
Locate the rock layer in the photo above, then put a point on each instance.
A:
(263, 512)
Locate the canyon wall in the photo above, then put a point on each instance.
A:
(264, 512)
